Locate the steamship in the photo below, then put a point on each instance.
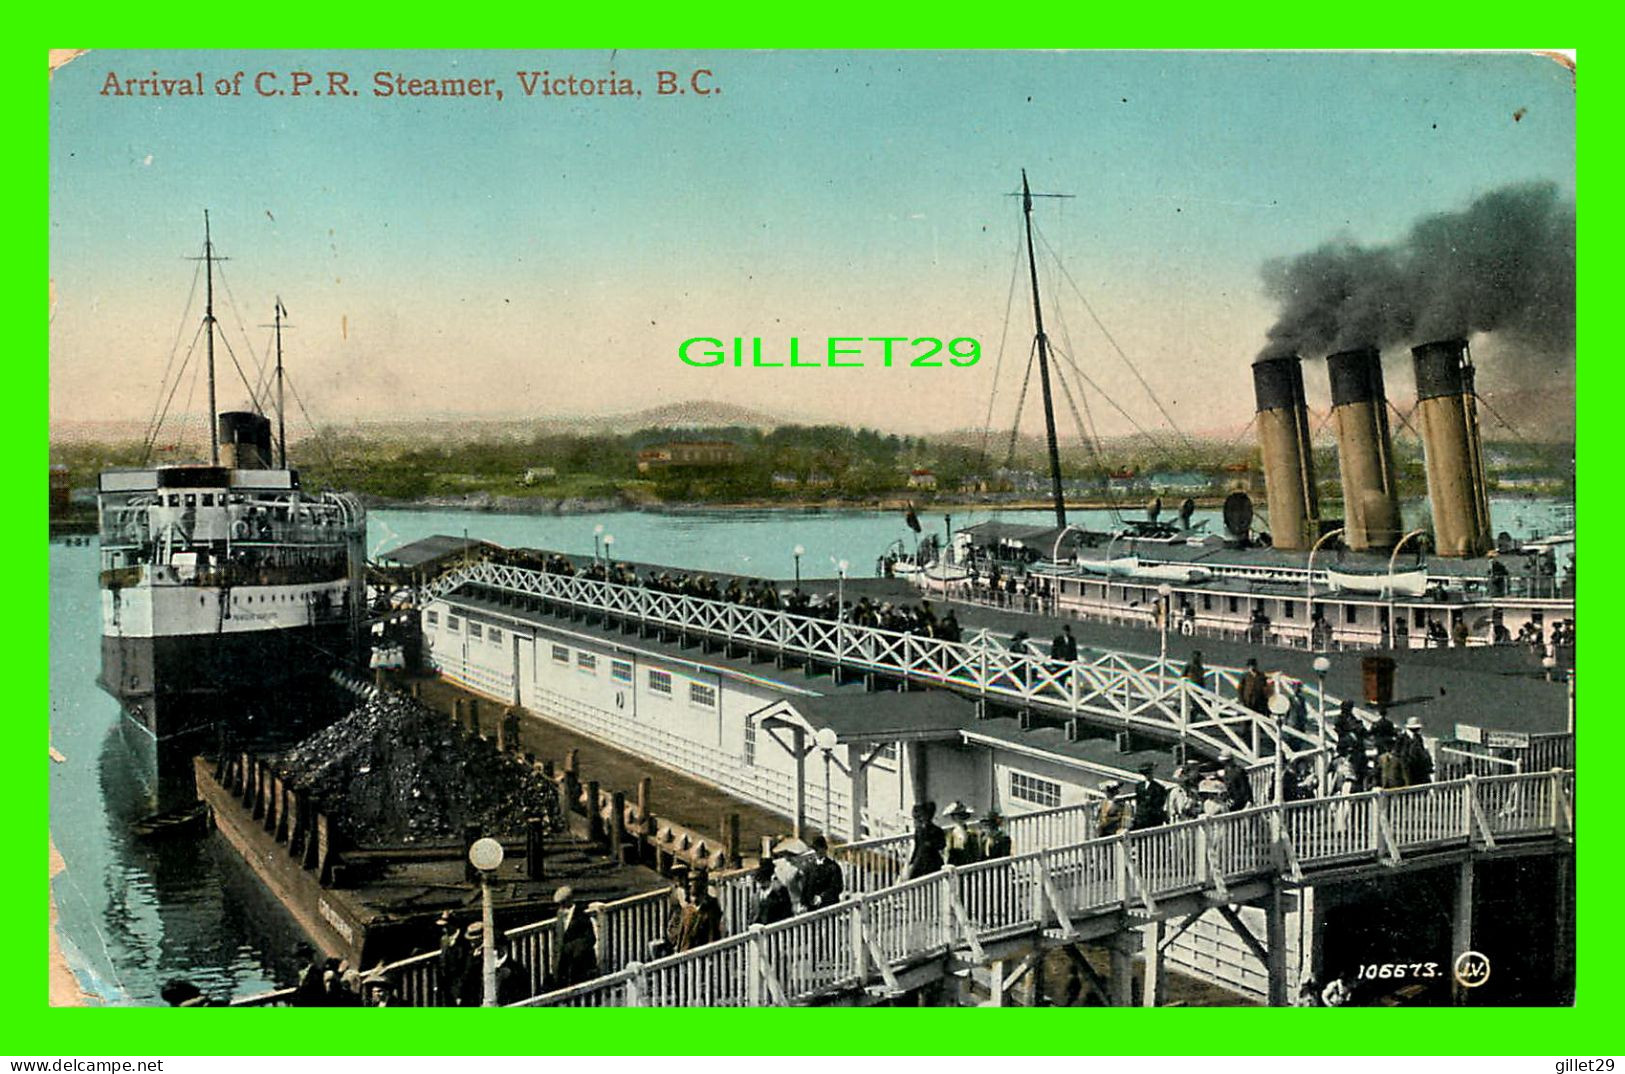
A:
(228, 593)
(1362, 581)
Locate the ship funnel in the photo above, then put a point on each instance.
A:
(1365, 450)
(1450, 442)
(1283, 437)
(245, 440)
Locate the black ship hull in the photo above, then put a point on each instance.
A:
(183, 695)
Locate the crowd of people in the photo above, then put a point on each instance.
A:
(935, 847)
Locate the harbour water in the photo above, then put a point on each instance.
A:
(134, 914)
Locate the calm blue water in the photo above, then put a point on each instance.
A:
(133, 914)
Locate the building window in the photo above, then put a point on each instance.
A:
(620, 671)
(1351, 613)
(1207, 602)
(1233, 603)
(1039, 792)
(1288, 610)
(495, 634)
(561, 655)
(701, 694)
(587, 662)
(660, 682)
(433, 617)
(475, 631)
(750, 741)
(453, 623)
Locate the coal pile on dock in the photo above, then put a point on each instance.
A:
(394, 771)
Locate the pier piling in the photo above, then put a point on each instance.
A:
(617, 827)
(535, 847)
(730, 838)
(595, 813)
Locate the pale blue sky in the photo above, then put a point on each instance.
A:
(546, 255)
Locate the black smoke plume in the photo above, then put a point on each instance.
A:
(1504, 264)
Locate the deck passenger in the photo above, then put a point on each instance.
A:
(1150, 799)
(455, 954)
(995, 840)
(929, 842)
(772, 898)
(700, 920)
(574, 955)
(1254, 688)
(822, 882)
(1413, 754)
(1184, 801)
(1116, 813)
(963, 847)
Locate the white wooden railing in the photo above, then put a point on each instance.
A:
(1055, 877)
(1115, 688)
(871, 936)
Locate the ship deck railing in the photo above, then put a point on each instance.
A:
(1058, 879)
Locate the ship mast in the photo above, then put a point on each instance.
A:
(208, 260)
(281, 425)
(1043, 353)
(208, 319)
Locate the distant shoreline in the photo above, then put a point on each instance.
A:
(502, 505)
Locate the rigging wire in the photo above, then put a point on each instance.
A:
(1115, 404)
(155, 419)
(1066, 389)
(1113, 341)
(1513, 429)
(1004, 334)
(191, 393)
(252, 398)
(1021, 403)
(164, 402)
(316, 435)
(237, 312)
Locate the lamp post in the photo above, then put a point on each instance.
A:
(1309, 583)
(597, 539)
(947, 546)
(798, 552)
(826, 738)
(1392, 559)
(1322, 665)
(485, 855)
(1165, 593)
(1279, 707)
(609, 548)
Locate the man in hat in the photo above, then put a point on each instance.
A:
(1413, 754)
(574, 957)
(701, 921)
(1150, 799)
(821, 880)
(1254, 688)
(1116, 815)
(963, 848)
(455, 954)
(929, 842)
(995, 840)
(1383, 733)
(772, 898)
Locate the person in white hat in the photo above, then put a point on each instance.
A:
(1413, 754)
(1116, 812)
(963, 848)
